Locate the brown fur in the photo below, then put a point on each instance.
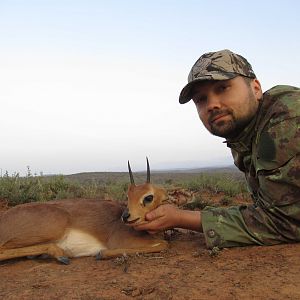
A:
(136, 193)
(38, 228)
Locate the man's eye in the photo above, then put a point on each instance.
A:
(223, 87)
(200, 99)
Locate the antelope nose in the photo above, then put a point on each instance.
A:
(125, 215)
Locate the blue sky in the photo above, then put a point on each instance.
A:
(87, 85)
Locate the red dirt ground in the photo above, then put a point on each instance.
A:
(187, 270)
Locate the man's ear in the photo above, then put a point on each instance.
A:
(256, 87)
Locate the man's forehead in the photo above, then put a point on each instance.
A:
(205, 84)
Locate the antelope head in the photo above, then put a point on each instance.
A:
(142, 199)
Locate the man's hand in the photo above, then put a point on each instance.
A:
(164, 217)
(169, 216)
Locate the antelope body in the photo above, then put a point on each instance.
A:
(78, 227)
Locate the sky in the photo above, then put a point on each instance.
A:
(87, 85)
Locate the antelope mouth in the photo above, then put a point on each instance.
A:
(133, 221)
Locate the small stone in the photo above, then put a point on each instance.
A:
(211, 233)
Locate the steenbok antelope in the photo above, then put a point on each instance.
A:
(81, 227)
(142, 199)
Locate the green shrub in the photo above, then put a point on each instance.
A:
(198, 203)
(116, 190)
(226, 200)
(216, 183)
(17, 190)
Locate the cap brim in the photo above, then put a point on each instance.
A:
(186, 93)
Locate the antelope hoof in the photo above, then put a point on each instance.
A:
(31, 256)
(99, 256)
(64, 260)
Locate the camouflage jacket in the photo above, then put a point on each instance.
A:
(268, 152)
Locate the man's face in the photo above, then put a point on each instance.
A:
(227, 106)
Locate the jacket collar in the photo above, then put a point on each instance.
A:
(242, 143)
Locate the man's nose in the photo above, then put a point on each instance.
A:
(213, 102)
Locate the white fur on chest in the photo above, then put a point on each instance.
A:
(78, 243)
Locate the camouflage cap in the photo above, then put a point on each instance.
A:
(220, 65)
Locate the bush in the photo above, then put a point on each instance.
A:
(16, 190)
(198, 203)
(226, 200)
(216, 183)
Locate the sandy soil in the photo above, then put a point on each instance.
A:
(187, 270)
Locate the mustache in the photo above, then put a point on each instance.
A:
(216, 113)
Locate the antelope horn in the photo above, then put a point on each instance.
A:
(130, 174)
(148, 171)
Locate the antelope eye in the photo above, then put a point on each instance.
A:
(148, 199)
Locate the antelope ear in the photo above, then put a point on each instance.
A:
(148, 171)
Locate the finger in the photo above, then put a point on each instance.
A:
(151, 226)
(143, 227)
(150, 216)
(139, 228)
(154, 214)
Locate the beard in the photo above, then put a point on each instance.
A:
(230, 128)
(233, 125)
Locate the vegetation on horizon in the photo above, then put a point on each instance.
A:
(32, 188)
(217, 183)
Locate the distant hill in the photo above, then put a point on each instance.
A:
(157, 176)
(230, 168)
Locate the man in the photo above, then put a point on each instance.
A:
(263, 132)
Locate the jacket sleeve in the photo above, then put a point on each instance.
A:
(275, 216)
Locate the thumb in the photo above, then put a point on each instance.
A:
(152, 215)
